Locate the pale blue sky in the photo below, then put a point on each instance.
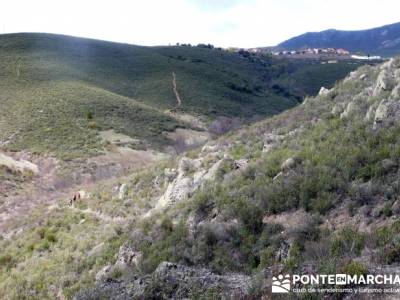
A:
(241, 23)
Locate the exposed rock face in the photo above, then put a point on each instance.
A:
(323, 91)
(171, 281)
(358, 104)
(381, 83)
(351, 76)
(385, 80)
(387, 113)
(122, 191)
(349, 109)
(395, 92)
(127, 256)
(18, 165)
(338, 109)
(190, 176)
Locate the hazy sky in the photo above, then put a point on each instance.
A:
(241, 23)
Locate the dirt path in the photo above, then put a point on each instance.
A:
(99, 215)
(174, 86)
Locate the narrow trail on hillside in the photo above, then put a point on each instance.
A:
(174, 86)
(99, 215)
(49, 188)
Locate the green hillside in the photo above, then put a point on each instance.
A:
(315, 187)
(57, 92)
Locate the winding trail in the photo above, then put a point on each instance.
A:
(99, 215)
(174, 86)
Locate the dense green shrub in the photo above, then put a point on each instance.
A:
(355, 268)
(347, 242)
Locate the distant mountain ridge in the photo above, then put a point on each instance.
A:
(384, 41)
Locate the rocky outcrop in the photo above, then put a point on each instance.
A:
(387, 114)
(351, 106)
(128, 256)
(190, 175)
(18, 165)
(381, 113)
(396, 93)
(386, 79)
(323, 91)
(123, 189)
(172, 281)
(338, 109)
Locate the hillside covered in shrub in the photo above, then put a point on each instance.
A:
(314, 188)
(58, 92)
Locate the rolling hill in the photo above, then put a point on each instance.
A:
(58, 92)
(384, 41)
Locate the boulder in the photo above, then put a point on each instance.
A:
(289, 164)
